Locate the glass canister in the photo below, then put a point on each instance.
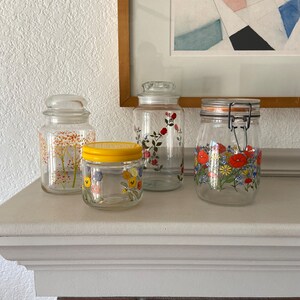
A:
(228, 154)
(158, 127)
(61, 139)
(112, 175)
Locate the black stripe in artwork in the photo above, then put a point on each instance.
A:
(248, 39)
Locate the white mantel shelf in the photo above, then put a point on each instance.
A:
(171, 244)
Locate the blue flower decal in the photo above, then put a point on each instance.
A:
(98, 176)
(88, 171)
(141, 171)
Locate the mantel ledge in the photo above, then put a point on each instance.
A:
(208, 250)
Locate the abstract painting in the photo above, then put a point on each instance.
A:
(221, 26)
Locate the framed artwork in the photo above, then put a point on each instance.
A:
(260, 27)
(211, 48)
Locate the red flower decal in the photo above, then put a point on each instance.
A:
(154, 162)
(202, 157)
(249, 151)
(248, 180)
(212, 175)
(259, 158)
(221, 147)
(147, 154)
(164, 131)
(139, 185)
(237, 161)
(173, 116)
(176, 127)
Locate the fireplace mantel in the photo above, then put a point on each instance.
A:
(171, 244)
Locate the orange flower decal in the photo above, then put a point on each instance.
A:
(202, 157)
(126, 175)
(221, 148)
(237, 161)
(259, 158)
(249, 151)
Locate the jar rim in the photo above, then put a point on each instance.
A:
(230, 106)
(112, 151)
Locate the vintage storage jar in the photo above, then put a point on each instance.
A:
(112, 175)
(158, 127)
(228, 155)
(61, 139)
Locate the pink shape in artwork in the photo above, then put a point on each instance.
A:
(236, 5)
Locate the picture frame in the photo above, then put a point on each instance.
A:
(128, 99)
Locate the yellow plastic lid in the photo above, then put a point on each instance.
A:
(111, 151)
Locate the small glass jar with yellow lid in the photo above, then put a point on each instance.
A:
(112, 175)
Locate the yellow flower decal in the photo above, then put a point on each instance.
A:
(245, 172)
(124, 191)
(132, 182)
(134, 172)
(214, 156)
(227, 155)
(235, 148)
(225, 170)
(126, 175)
(87, 181)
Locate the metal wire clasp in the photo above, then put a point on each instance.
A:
(246, 119)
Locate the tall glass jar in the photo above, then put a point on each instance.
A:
(61, 139)
(158, 126)
(228, 154)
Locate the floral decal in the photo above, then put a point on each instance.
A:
(202, 157)
(87, 182)
(61, 178)
(97, 176)
(43, 149)
(238, 160)
(133, 184)
(180, 175)
(92, 183)
(153, 142)
(65, 152)
(225, 167)
(95, 189)
(94, 186)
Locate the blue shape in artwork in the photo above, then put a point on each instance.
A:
(290, 13)
(199, 39)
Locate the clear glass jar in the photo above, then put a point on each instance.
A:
(61, 139)
(112, 175)
(228, 154)
(158, 127)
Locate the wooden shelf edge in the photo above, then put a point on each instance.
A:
(195, 102)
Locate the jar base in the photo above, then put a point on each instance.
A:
(60, 191)
(161, 184)
(53, 183)
(226, 198)
(111, 202)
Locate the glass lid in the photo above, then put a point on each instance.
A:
(66, 106)
(158, 92)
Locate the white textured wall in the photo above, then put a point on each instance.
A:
(70, 46)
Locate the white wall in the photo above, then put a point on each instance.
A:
(70, 46)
